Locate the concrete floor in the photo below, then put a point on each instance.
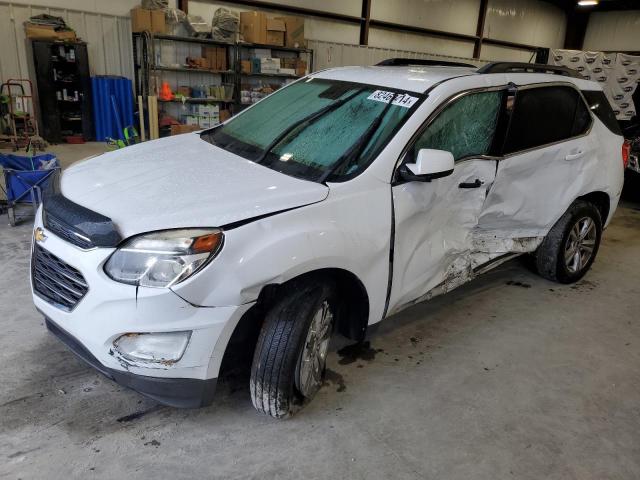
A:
(510, 376)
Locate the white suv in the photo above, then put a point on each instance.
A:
(330, 205)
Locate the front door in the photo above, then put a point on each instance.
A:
(434, 220)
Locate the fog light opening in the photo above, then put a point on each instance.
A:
(162, 348)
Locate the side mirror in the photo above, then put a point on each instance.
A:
(430, 164)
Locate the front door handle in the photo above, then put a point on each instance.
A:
(478, 183)
(574, 156)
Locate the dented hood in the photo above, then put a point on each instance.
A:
(181, 181)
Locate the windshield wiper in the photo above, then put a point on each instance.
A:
(308, 119)
(358, 146)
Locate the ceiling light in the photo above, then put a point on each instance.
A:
(587, 3)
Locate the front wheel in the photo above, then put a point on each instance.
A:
(569, 249)
(290, 356)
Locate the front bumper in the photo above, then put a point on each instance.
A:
(110, 309)
(175, 392)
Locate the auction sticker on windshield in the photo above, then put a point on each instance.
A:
(402, 100)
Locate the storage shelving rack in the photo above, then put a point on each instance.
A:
(227, 76)
(246, 46)
(232, 75)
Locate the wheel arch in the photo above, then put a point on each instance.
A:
(352, 318)
(601, 200)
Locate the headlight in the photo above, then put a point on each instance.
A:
(153, 347)
(162, 259)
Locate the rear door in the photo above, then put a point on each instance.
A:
(548, 158)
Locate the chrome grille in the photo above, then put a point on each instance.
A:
(55, 281)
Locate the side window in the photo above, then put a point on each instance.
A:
(599, 105)
(544, 115)
(466, 127)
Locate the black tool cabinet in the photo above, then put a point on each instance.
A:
(64, 89)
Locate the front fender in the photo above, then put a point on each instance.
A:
(349, 230)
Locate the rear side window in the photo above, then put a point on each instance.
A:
(545, 115)
(599, 105)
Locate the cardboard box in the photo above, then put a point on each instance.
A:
(245, 66)
(225, 115)
(288, 63)
(204, 122)
(199, 62)
(183, 90)
(179, 129)
(288, 71)
(217, 57)
(205, 110)
(269, 65)
(157, 21)
(253, 27)
(221, 58)
(301, 67)
(210, 54)
(294, 36)
(66, 35)
(275, 32)
(48, 32)
(140, 19)
(191, 120)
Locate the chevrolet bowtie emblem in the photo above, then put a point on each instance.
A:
(39, 235)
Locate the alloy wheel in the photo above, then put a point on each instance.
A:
(314, 352)
(580, 244)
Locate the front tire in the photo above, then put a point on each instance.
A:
(290, 356)
(570, 247)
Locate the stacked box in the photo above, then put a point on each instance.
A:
(217, 57)
(275, 32)
(301, 67)
(256, 27)
(184, 90)
(140, 20)
(294, 36)
(253, 27)
(203, 115)
(179, 129)
(269, 65)
(288, 62)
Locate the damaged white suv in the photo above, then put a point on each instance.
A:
(328, 206)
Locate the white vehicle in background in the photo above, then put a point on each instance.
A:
(328, 206)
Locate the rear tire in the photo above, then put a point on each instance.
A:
(570, 247)
(289, 360)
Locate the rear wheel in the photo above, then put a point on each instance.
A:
(290, 356)
(569, 249)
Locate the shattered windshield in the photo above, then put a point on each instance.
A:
(317, 129)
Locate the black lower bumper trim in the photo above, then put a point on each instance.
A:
(174, 392)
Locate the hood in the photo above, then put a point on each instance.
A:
(180, 182)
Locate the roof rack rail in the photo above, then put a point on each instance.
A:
(521, 67)
(405, 62)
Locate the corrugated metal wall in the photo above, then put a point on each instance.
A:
(613, 31)
(331, 54)
(108, 38)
